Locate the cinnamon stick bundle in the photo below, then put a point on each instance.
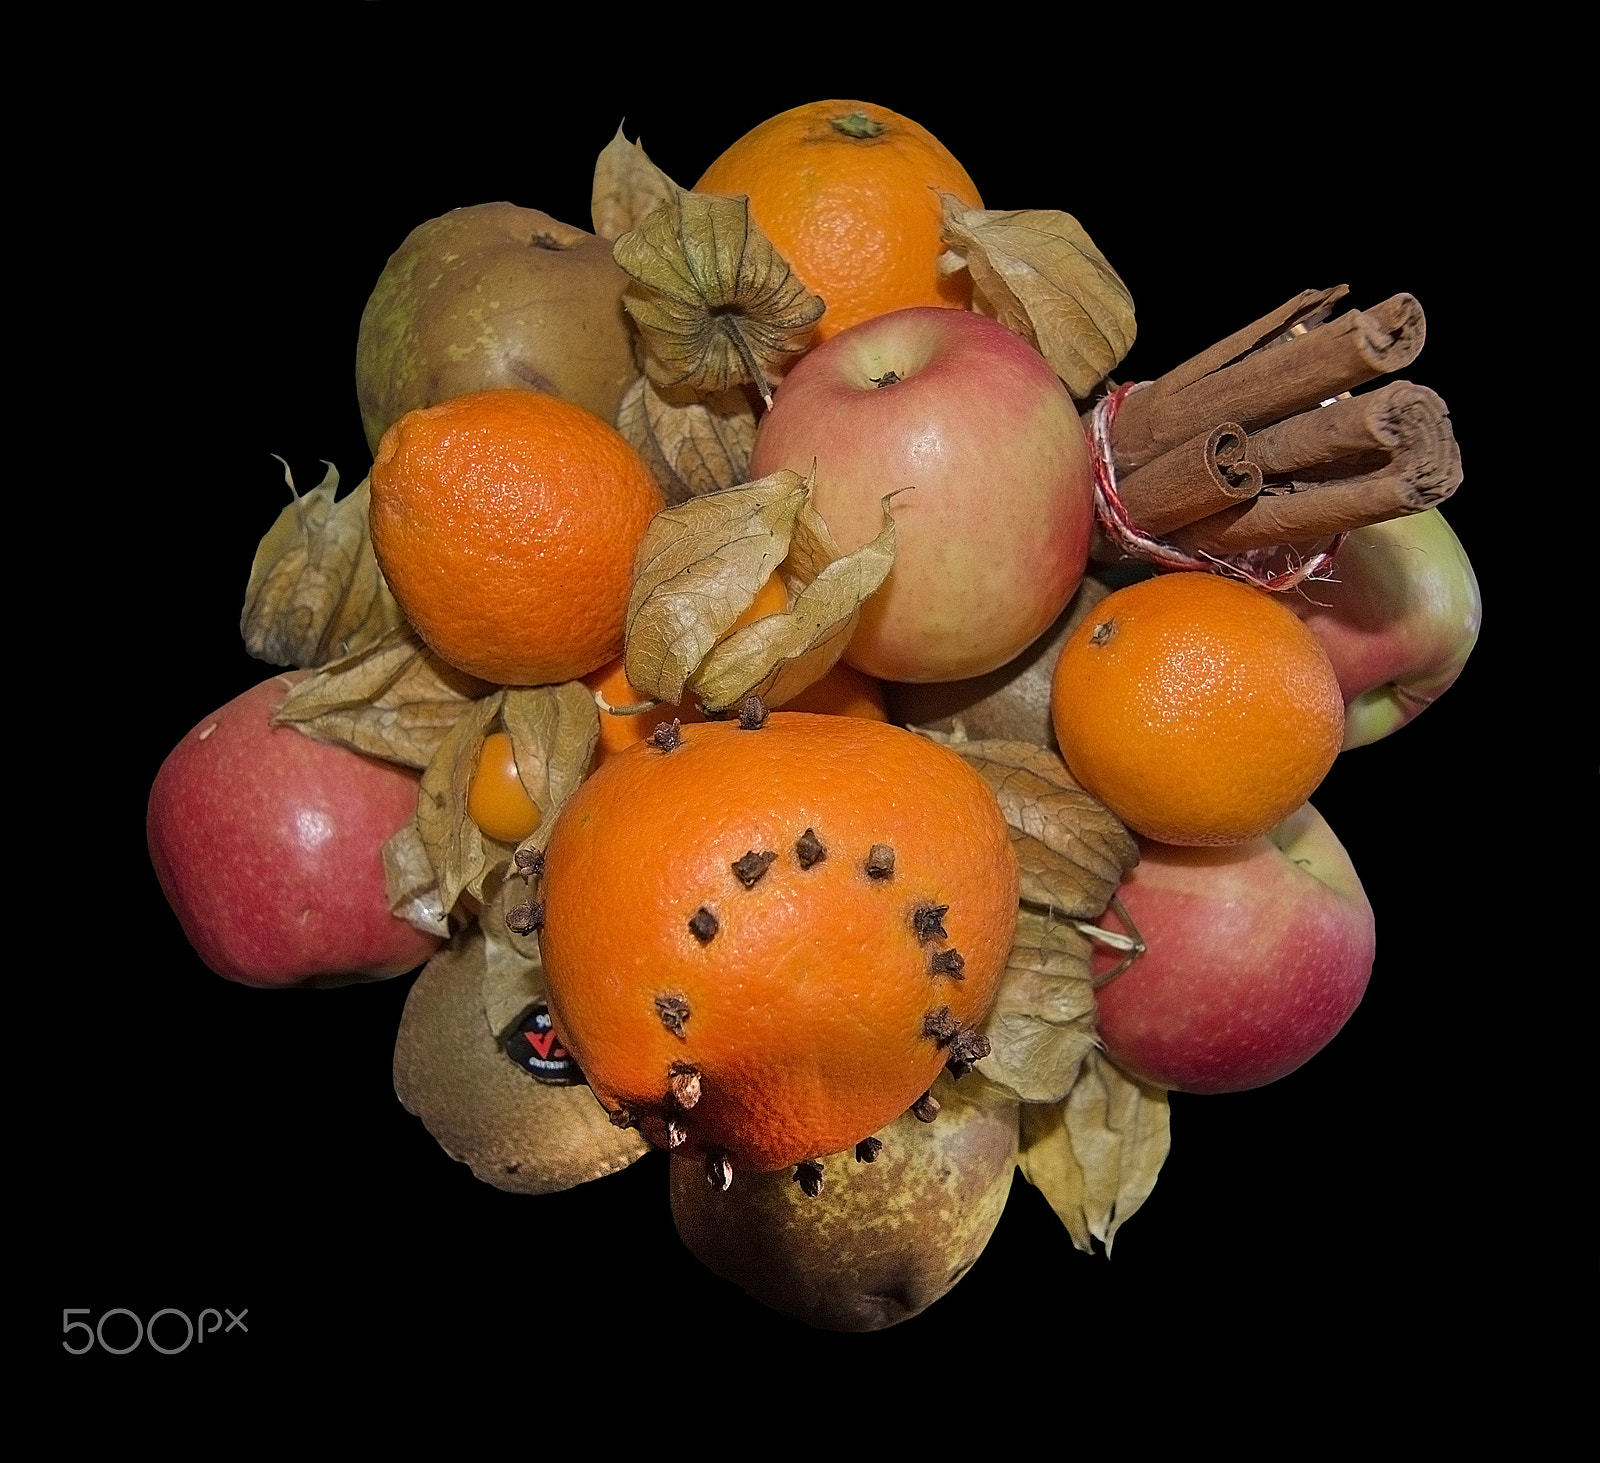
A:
(1261, 374)
(1207, 473)
(1340, 467)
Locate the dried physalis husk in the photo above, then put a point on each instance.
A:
(513, 970)
(1042, 1023)
(452, 1070)
(699, 567)
(1073, 851)
(410, 884)
(627, 187)
(777, 657)
(395, 699)
(716, 305)
(554, 731)
(458, 850)
(1039, 274)
(1096, 1156)
(692, 445)
(315, 592)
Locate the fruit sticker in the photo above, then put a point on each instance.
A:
(535, 1047)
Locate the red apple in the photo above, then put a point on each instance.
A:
(1398, 621)
(992, 542)
(267, 845)
(1256, 956)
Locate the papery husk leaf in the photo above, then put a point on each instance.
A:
(315, 591)
(1096, 1156)
(716, 305)
(1042, 1023)
(513, 975)
(410, 883)
(1040, 275)
(777, 657)
(691, 445)
(627, 187)
(1039, 798)
(811, 549)
(457, 848)
(396, 700)
(698, 569)
(554, 731)
(451, 1071)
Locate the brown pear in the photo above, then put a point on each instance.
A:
(1009, 704)
(881, 1240)
(493, 296)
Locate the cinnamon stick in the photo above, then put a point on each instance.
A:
(1259, 375)
(1207, 473)
(1361, 432)
(1409, 483)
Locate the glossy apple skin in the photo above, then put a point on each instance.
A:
(1398, 621)
(992, 542)
(1257, 955)
(267, 845)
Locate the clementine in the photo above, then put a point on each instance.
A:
(1198, 709)
(505, 523)
(848, 192)
(765, 943)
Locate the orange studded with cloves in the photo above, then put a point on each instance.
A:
(763, 938)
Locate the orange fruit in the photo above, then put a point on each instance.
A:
(1199, 710)
(843, 691)
(848, 193)
(496, 799)
(505, 523)
(764, 944)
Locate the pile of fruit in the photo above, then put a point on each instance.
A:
(732, 680)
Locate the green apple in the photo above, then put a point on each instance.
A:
(493, 296)
(1398, 620)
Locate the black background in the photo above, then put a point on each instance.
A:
(209, 1145)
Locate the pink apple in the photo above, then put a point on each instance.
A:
(992, 542)
(1256, 956)
(267, 845)
(1398, 622)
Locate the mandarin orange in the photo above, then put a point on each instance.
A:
(848, 192)
(1198, 709)
(505, 523)
(766, 943)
